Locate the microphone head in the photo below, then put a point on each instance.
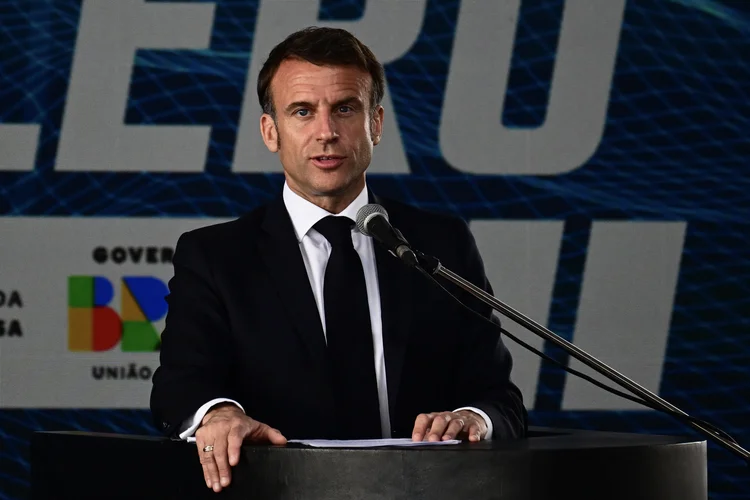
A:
(366, 214)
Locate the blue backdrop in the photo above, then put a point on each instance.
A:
(675, 147)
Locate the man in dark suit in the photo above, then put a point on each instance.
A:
(289, 320)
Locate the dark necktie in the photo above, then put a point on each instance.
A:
(349, 334)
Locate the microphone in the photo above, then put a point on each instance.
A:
(372, 220)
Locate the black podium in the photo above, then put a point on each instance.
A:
(550, 464)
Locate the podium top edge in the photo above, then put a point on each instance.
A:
(539, 438)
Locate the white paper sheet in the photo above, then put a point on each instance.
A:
(369, 443)
(361, 443)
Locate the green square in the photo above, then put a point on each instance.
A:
(80, 291)
(139, 336)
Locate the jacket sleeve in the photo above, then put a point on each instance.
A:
(485, 363)
(195, 344)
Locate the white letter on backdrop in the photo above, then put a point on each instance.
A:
(93, 135)
(472, 136)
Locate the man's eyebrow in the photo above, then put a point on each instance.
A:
(340, 102)
(298, 104)
(347, 100)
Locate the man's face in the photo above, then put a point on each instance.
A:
(325, 129)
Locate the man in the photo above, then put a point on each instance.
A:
(288, 322)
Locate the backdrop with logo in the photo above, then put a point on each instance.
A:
(598, 149)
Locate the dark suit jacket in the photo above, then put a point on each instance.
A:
(243, 324)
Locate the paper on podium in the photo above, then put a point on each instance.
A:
(369, 443)
(361, 443)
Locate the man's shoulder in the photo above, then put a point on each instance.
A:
(443, 235)
(246, 225)
(404, 215)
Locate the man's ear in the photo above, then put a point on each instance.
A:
(376, 125)
(269, 132)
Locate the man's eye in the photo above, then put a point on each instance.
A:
(345, 109)
(302, 112)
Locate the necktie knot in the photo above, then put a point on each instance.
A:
(337, 230)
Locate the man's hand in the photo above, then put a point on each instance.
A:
(442, 426)
(224, 428)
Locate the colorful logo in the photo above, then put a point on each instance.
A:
(94, 326)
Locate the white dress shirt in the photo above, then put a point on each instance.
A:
(316, 250)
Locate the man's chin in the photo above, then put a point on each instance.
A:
(338, 188)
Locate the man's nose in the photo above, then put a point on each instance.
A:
(326, 128)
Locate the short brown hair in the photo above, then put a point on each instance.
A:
(323, 47)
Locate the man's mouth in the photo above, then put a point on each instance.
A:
(328, 161)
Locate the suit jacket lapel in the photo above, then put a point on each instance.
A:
(394, 280)
(279, 249)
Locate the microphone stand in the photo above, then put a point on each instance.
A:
(433, 266)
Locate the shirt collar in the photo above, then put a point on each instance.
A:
(305, 214)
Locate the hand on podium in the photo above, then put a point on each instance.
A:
(442, 426)
(219, 438)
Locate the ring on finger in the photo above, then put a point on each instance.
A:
(208, 447)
